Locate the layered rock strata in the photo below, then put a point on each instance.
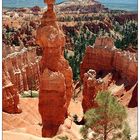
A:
(92, 85)
(104, 56)
(23, 69)
(10, 96)
(81, 7)
(106, 68)
(20, 73)
(56, 75)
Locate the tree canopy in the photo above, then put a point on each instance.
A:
(108, 120)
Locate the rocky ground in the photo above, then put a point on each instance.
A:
(27, 125)
(132, 121)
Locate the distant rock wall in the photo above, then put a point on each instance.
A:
(126, 17)
(93, 27)
(81, 7)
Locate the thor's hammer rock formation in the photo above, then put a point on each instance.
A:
(56, 75)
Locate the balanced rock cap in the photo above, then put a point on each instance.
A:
(49, 2)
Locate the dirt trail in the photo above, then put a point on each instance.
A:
(133, 121)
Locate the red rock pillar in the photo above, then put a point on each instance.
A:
(91, 86)
(56, 75)
(10, 96)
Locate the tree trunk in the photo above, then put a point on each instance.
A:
(31, 93)
(106, 122)
(105, 132)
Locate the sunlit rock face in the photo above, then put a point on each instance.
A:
(21, 73)
(104, 67)
(103, 56)
(92, 85)
(56, 75)
(99, 56)
(10, 96)
(23, 69)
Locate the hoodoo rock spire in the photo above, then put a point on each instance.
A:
(56, 77)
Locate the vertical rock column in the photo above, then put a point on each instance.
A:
(56, 75)
(10, 96)
(91, 86)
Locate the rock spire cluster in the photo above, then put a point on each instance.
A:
(20, 73)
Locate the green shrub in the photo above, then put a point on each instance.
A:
(27, 94)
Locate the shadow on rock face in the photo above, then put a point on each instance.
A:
(39, 51)
(134, 100)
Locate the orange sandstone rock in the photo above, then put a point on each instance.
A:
(23, 68)
(56, 78)
(20, 69)
(10, 98)
(104, 56)
(113, 70)
(92, 85)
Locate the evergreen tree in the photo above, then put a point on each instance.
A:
(80, 41)
(107, 120)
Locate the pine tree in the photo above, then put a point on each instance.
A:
(107, 120)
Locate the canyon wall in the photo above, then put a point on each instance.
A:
(104, 56)
(56, 75)
(106, 68)
(20, 73)
(23, 69)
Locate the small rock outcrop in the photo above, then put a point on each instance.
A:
(92, 85)
(134, 100)
(56, 75)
